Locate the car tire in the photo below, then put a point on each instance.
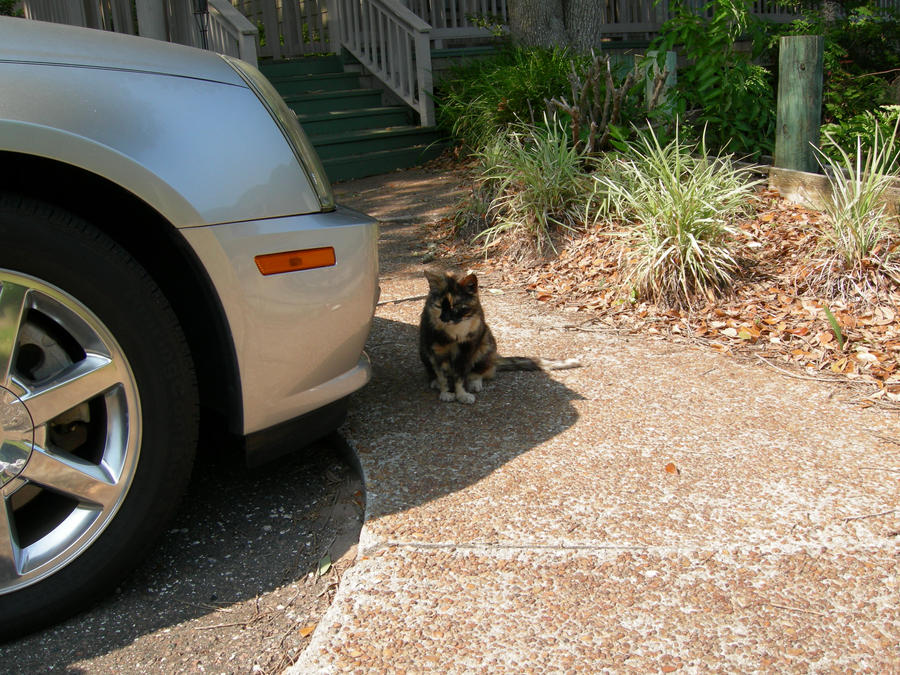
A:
(98, 413)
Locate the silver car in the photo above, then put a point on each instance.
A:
(170, 254)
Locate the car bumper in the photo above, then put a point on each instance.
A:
(298, 336)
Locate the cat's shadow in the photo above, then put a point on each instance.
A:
(414, 448)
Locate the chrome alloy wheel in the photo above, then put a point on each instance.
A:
(70, 429)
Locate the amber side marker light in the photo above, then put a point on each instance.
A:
(294, 261)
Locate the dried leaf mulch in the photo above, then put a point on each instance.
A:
(771, 314)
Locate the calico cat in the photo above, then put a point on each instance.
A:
(457, 348)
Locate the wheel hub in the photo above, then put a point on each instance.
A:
(16, 436)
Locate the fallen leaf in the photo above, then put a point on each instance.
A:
(324, 565)
(307, 630)
(671, 468)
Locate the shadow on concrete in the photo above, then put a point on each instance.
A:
(415, 448)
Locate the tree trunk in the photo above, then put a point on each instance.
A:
(576, 24)
(584, 24)
(537, 23)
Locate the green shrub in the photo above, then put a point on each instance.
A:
(720, 89)
(859, 131)
(476, 101)
(677, 204)
(8, 8)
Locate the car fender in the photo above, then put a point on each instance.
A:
(233, 164)
(62, 146)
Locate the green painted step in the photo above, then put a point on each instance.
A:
(340, 121)
(349, 99)
(354, 134)
(301, 84)
(368, 141)
(307, 65)
(383, 161)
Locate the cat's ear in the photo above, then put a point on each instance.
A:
(469, 284)
(436, 280)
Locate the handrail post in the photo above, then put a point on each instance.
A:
(334, 25)
(425, 78)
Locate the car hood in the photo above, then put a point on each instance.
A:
(28, 41)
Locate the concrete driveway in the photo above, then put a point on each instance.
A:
(661, 509)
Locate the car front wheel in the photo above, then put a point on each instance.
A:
(98, 413)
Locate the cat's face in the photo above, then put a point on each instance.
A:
(452, 300)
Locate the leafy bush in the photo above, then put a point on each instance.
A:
(533, 183)
(8, 8)
(679, 203)
(859, 131)
(721, 89)
(477, 100)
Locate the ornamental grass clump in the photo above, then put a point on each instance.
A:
(538, 184)
(677, 206)
(861, 246)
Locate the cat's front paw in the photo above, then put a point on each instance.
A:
(448, 396)
(475, 384)
(465, 397)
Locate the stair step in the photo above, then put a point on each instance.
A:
(348, 99)
(340, 121)
(383, 161)
(367, 141)
(353, 132)
(307, 65)
(302, 84)
(463, 52)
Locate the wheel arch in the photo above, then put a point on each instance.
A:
(158, 246)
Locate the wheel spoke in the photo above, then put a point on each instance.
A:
(73, 477)
(12, 309)
(9, 568)
(81, 382)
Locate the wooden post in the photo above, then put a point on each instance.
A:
(799, 106)
(334, 26)
(424, 78)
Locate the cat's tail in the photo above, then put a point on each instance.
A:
(526, 363)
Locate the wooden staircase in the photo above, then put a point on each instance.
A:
(353, 131)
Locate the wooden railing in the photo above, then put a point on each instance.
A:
(460, 18)
(114, 16)
(394, 45)
(290, 27)
(230, 32)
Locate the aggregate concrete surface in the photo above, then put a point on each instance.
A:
(660, 509)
